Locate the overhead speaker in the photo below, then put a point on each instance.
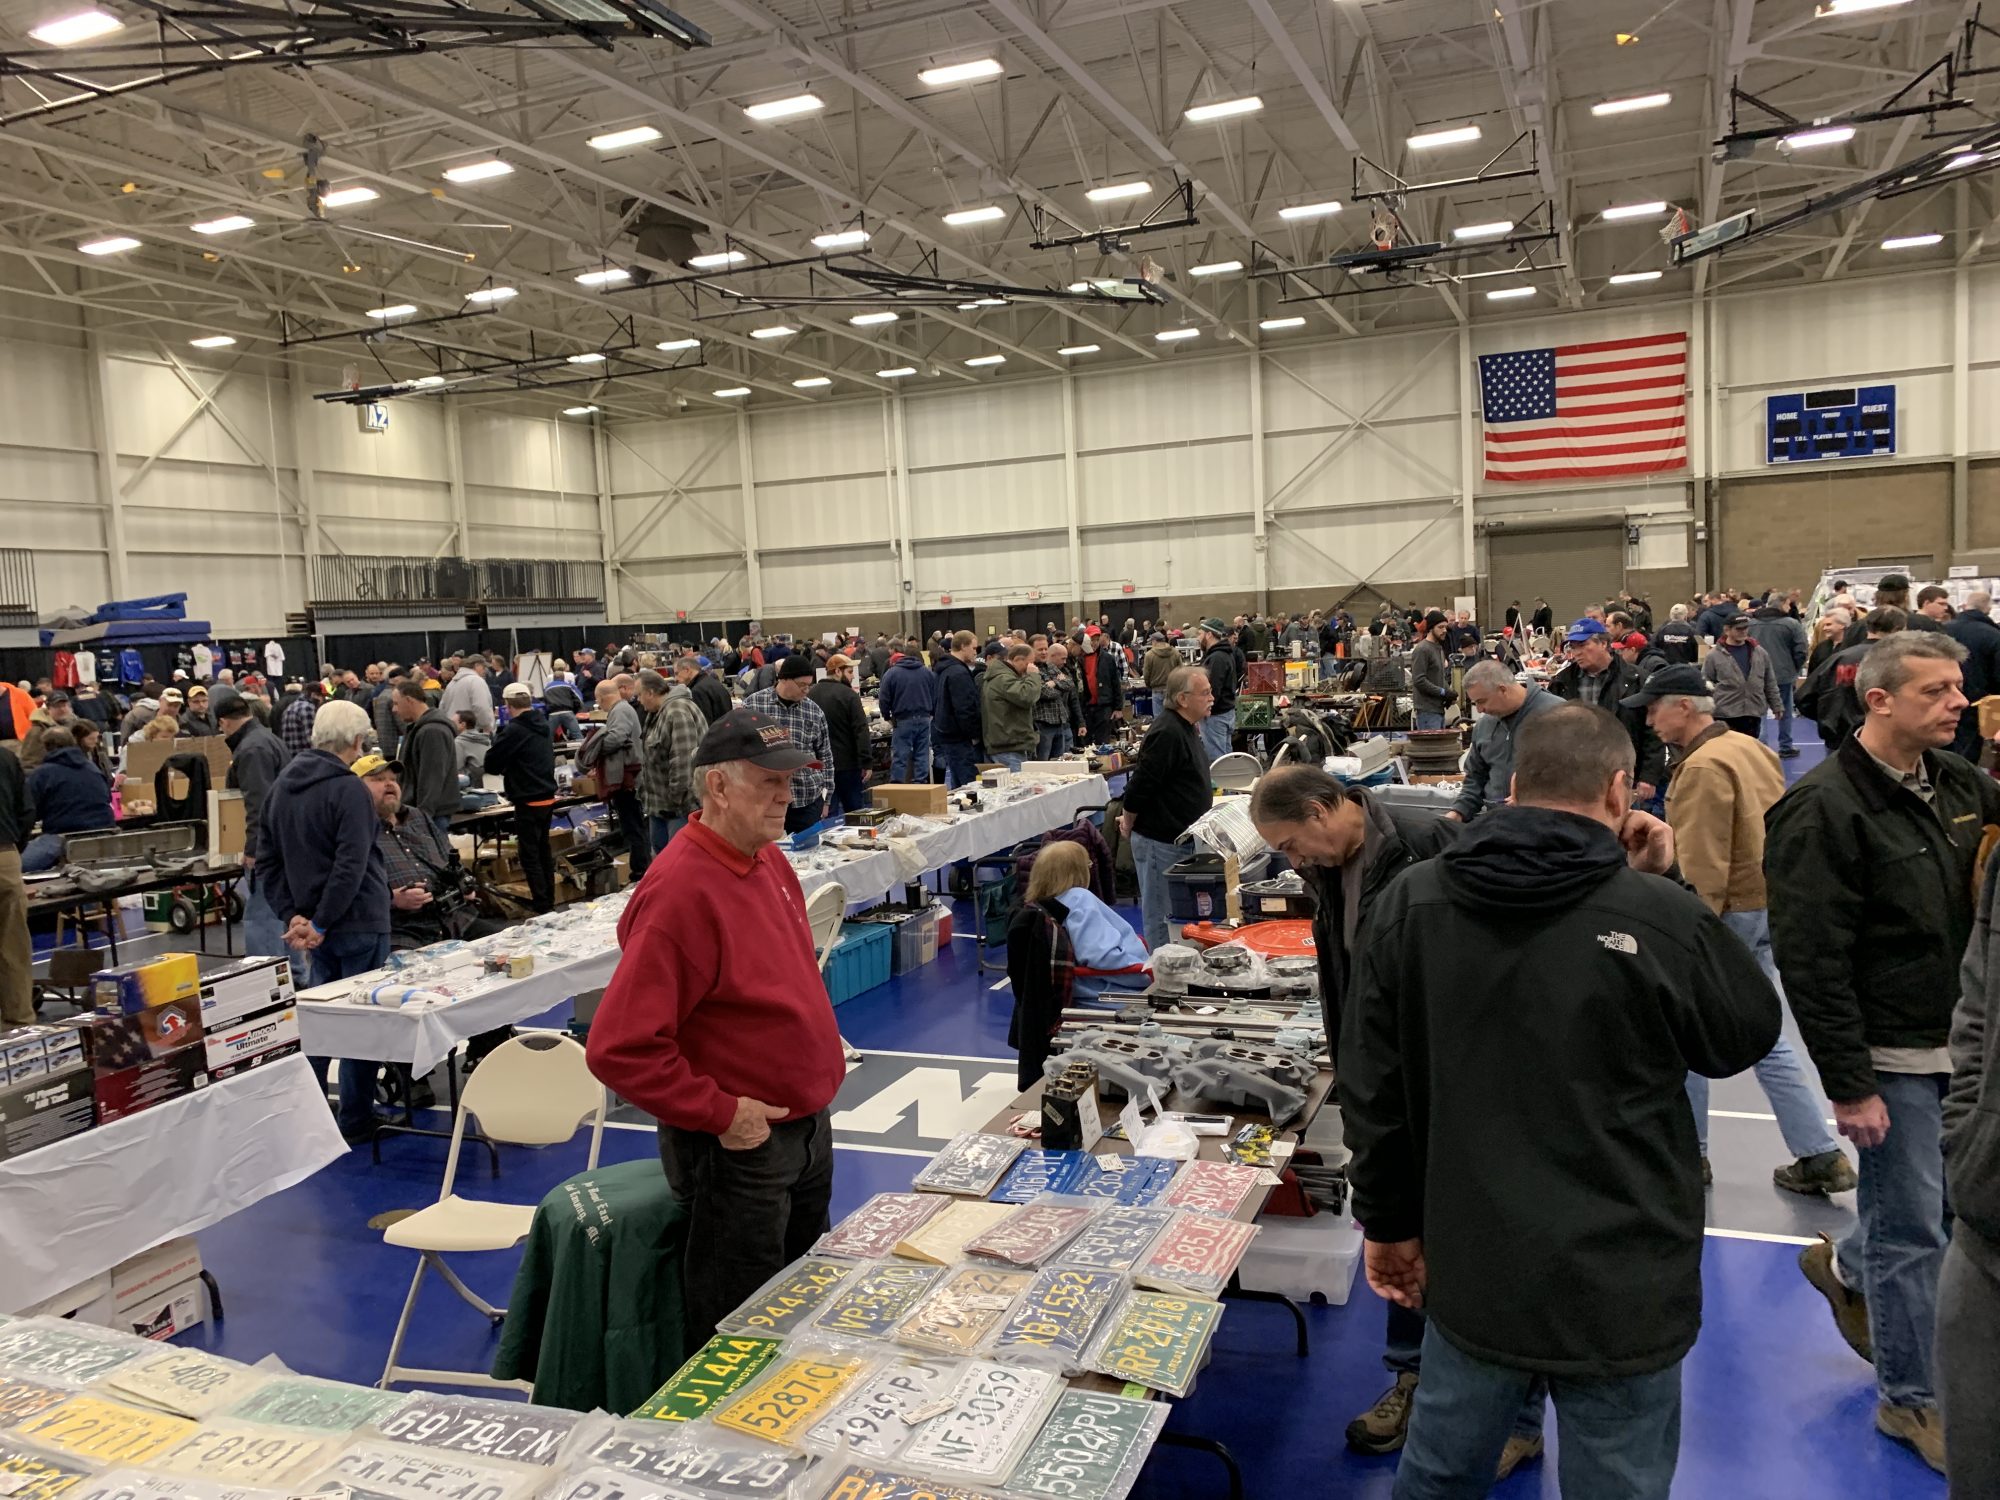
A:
(662, 235)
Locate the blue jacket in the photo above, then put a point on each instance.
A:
(70, 793)
(908, 690)
(319, 856)
(957, 715)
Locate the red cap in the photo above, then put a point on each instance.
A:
(1092, 630)
(1634, 642)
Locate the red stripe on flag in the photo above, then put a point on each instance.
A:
(1616, 408)
(1620, 471)
(1541, 434)
(1610, 346)
(1655, 362)
(1566, 387)
(1570, 450)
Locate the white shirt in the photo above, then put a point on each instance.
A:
(204, 662)
(86, 667)
(274, 660)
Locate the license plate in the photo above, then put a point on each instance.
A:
(1142, 1181)
(866, 1482)
(1091, 1447)
(994, 1411)
(1117, 1239)
(872, 1230)
(186, 1382)
(962, 1310)
(1031, 1234)
(942, 1240)
(507, 1430)
(135, 1484)
(105, 1432)
(1213, 1187)
(1036, 1171)
(314, 1405)
(21, 1399)
(57, 1354)
(970, 1164)
(36, 1476)
(1158, 1340)
(788, 1298)
(876, 1300)
(709, 1464)
(401, 1473)
(1057, 1315)
(870, 1421)
(249, 1456)
(644, 1448)
(719, 1369)
(793, 1397)
(1197, 1255)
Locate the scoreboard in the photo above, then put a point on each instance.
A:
(1845, 422)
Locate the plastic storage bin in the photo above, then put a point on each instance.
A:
(916, 942)
(1303, 1258)
(1197, 890)
(859, 961)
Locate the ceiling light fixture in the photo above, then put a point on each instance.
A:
(811, 382)
(1309, 210)
(347, 197)
(428, 380)
(716, 258)
(1827, 9)
(774, 331)
(985, 215)
(1912, 241)
(1830, 135)
(869, 320)
(393, 310)
(1272, 325)
(71, 31)
(841, 239)
(1451, 135)
(1633, 278)
(1071, 350)
(674, 346)
(1629, 106)
(1117, 190)
(1962, 160)
(578, 411)
(1510, 294)
(1634, 211)
(987, 359)
(1223, 109)
(604, 277)
(592, 358)
(110, 246)
(1216, 268)
(477, 171)
(224, 225)
(966, 307)
(965, 72)
(1074, 286)
(613, 140)
(211, 341)
(896, 374)
(734, 390)
(1175, 335)
(492, 294)
(785, 109)
(1491, 231)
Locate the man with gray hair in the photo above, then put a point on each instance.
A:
(616, 753)
(1504, 704)
(1871, 861)
(1168, 789)
(468, 691)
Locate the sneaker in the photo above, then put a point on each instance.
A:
(1382, 1428)
(1707, 1173)
(1850, 1308)
(1828, 1172)
(1517, 1452)
(1788, 752)
(1919, 1426)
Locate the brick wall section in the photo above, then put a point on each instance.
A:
(1785, 530)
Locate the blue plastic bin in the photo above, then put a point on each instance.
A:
(859, 961)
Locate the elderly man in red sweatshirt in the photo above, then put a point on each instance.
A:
(729, 1042)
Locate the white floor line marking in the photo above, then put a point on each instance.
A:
(1739, 1114)
(1003, 984)
(940, 1056)
(1760, 1236)
(840, 1145)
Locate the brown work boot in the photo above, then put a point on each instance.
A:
(1828, 1172)
(1850, 1308)
(1517, 1452)
(1382, 1428)
(1919, 1426)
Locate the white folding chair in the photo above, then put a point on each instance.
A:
(535, 1089)
(1235, 772)
(826, 908)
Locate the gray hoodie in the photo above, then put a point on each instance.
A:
(1489, 765)
(472, 747)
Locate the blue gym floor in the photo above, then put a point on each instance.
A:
(1776, 1405)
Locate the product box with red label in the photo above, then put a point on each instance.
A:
(250, 1042)
(155, 1081)
(113, 1043)
(159, 1293)
(248, 987)
(41, 1111)
(130, 988)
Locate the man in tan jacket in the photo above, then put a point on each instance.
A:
(1720, 786)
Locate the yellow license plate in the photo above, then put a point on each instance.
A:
(791, 1399)
(86, 1427)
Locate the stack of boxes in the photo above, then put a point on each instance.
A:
(249, 1016)
(45, 1088)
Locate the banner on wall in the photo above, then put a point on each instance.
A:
(1607, 410)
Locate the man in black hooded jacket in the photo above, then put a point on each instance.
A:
(1513, 1057)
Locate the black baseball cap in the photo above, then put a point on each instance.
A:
(745, 734)
(227, 702)
(1669, 682)
(796, 665)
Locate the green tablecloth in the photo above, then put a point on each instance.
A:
(595, 1315)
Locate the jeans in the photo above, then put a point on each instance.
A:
(910, 751)
(1328, 665)
(1052, 742)
(1217, 732)
(565, 723)
(1968, 1352)
(342, 955)
(1426, 720)
(957, 760)
(850, 791)
(538, 864)
(1151, 859)
(662, 827)
(264, 932)
(44, 852)
(1403, 1354)
(1786, 687)
(802, 815)
(1895, 1251)
(1617, 1439)
(632, 828)
(750, 1213)
(1011, 759)
(1794, 1100)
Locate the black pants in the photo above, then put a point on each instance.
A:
(850, 792)
(798, 819)
(1750, 724)
(631, 820)
(531, 828)
(1098, 724)
(750, 1213)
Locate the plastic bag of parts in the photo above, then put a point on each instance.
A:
(1173, 963)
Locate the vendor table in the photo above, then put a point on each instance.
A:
(222, 874)
(74, 1209)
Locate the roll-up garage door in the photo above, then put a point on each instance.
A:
(1568, 566)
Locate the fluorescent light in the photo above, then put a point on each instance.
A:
(811, 382)
(987, 359)
(840, 239)
(716, 258)
(1074, 286)
(1830, 135)
(1224, 109)
(985, 215)
(775, 331)
(1453, 135)
(965, 72)
(734, 390)
(84, 26)
(223, 225)
(477, 171)
(1119, 190)
(1964, 159)
(492, 294)
(637, 135)
(1272, 325)
(1309, 210)
(991, 302)
(673, 345)
(1912, 241)
(1216, 268)
(592, 358)
(1829, 8)
(1075, 349)
(1510, 293)
(578, 411)
(1633, 278)
(896, 374)
(1634, 211)
(785, 109)
(605, 277)
(212, 341)
(966, 307)
(1175, 335)
(394, 310)
(347, 197)
(1491, 231)
(110, 246)
(428, 380)
(1628, 106)
(869, 320)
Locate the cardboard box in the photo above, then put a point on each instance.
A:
(114, 1043)
(155, 1081)
(131, 988)
(251, 1041)
(172, 1311)
(247, 987)
(143, 758)
(920, 799)
(1989, 716)
(40, 1112)
(585, 786)
(159, 1293)
(227, 825)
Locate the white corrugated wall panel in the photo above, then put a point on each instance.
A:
(1166, 404)
(647, 456)
(507, 451)
(1985, 290)
(412, 448)
(995, 498)
(862, 578)
(1798, 340)
(1639, 320)
(707, 588)
(1377, 378)
(983, 425)
(813, 441)
(1408, 461)
(989, 570)
(1335, 550)
(1187, 482)
(826, 513)
(44, 396)
(518, 523)
(1175, 557)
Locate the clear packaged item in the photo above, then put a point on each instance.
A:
(186, 1382)
(872, 1231)
(1117, 1240)
(702, 1464)
(149, 1484)
(1136, 1180)
(1173, 965)
(635, 1445)
(962, 1310)
(800, 1387)
(873, 1301)
(994, 1414)
(22, 1398)
(717, 1370)
(970, 1164)
(255, 1457)
(1213, 1187)
(1227, 959)
(1157, 1340)
(874, 1421)
(1034, 1232)
(397, 1471)
(862, 1481)
(101, 1431)
(1054, 1320)
(314, 1405)
(1196, 1255)
(510, 1431)
(942, 1240)
(30, 1474)
(52, 1349)
(1036, 1171)
(1091, 1448)
(789, 1298)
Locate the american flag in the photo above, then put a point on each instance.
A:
(1586, 411)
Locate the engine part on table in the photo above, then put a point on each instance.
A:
(49, 890)
(1126, 1065)
(1434, 752)
(1231, 989)
(1172, 964)
(1281, 896)
(177, 864)
(1228, 958)
(1311, 738)
(1306, 1042)
(96, 881)
(1292, 966)
(1239, 1073)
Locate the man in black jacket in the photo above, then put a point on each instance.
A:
(17, 954)
(524, 758)
(1553, 1230)
(1597, 675)
(1167, 790)
(955, 723)
(1219, 660)
(1974, 629)
(1893, 592)
(846, 731)
(1870, 862)
(429, 756)
(256, 758)
(710, 696)
(1100, 680)
(1828, 697)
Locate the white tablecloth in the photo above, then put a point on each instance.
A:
(77, 1208)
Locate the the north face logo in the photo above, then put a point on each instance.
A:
(1619, 942)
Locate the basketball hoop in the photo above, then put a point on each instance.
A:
(350, 377)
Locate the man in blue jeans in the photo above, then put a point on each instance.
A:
(955, 723)
(323, 874)
(907, 699)
(1166, 792)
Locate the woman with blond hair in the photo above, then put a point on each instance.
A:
(1065, 947)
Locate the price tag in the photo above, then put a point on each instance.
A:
(509, 1430)
(716, 1371)
(103, 1431)
(792, 1398)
